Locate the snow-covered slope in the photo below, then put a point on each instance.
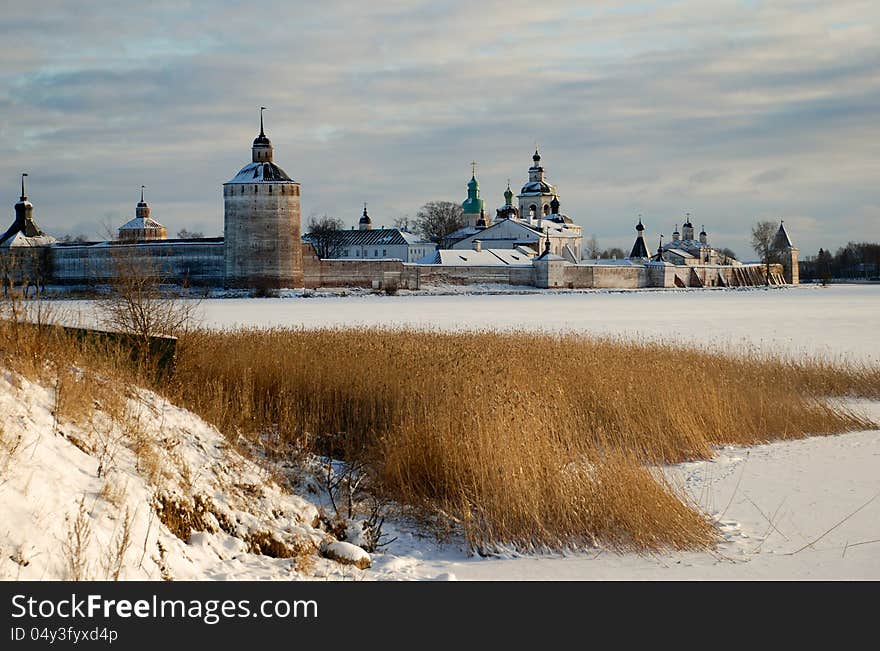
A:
(84, 501)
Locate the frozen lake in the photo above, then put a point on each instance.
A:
(840, 320)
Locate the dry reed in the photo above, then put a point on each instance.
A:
(526, 440)
(520, 439)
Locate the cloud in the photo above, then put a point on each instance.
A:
(730, 110)
(770, 176)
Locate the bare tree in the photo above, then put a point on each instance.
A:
(591, 247)
(727, 255)
(403, 222)
(324, 235)
(74, 239)
(138, 305)
(436, 220)
(614, 253)
(763, 234)
(185, 234)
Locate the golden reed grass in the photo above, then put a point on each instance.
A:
(519, 439)
(533, 441)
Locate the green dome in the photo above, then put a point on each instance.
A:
(473, 204)
(508, 195)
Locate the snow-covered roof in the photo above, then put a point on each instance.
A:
(484, 258)
(260, 173)
(608, 262)
(463, 232)
(141, 224)
(20, 239)
(537, 188)
(679, 252)
(782, 240)
(374, 237)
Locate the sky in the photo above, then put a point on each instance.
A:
(733, 111)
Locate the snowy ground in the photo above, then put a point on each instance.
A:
(84, 494)
(801, 509)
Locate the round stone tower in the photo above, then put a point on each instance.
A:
(261, 223)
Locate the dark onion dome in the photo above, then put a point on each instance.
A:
(536, 158)
(554, 205)
(260, 173)
(703, 232)
(640, 227)
(365, 218)
(262, 140)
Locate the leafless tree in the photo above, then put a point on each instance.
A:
(403, 222)
(436, 220)
(591, 247)
(324, 235)
(74, 239)
(138, 305)
(185, 234)
(763, 234)
(614, 253)
(727, 255)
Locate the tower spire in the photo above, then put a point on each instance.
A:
(23, 195)
(142, 193)
(262, 108)
(474, 169)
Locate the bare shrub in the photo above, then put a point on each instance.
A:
(75, 548)
(9, 446)
(138, 304)
(114, 560)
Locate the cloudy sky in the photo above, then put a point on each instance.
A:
(732, 111)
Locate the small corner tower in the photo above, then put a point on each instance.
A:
(24, 229)
(787, 254)
(261, 223)
(640, 249)
(143, 227)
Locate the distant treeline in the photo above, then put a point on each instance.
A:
(856, 260)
